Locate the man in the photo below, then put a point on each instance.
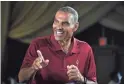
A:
(60, 58)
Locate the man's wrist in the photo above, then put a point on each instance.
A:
(81, 78)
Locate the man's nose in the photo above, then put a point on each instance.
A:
(59, 26)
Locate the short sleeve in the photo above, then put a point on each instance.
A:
(30, 56)
(91, 67)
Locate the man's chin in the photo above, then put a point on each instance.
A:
(58, 38)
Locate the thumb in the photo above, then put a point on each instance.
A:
(46, 61)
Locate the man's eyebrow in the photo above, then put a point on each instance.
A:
(65, 22)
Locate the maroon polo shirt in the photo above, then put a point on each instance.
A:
(80, 55)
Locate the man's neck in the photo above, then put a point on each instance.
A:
(65, 44)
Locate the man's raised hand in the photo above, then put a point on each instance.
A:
(39, 62)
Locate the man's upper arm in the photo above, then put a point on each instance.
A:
(30, 55)
(91, 67)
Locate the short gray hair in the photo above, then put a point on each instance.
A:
(72, 11)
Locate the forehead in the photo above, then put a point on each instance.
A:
(60, 15)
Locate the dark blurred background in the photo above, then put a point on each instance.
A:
(101, 25)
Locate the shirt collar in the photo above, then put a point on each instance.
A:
(75, 48)
(57, 47)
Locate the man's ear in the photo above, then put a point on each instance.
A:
(76, 26)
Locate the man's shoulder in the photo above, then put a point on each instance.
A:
(41, 40)
(83, 43)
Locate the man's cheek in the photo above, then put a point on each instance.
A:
(54, 26)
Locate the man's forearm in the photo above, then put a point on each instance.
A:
(25, 74)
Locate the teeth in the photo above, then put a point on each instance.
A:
(58, 32)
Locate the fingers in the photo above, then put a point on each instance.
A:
(39, 62)
(73, 78)
(40, 54)
(36, 64)
(45, 63)
(73, 72)
(39, 65)
(41, 57)
(72, 67)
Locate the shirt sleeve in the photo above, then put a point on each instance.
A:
(30, 56)
(90, 72)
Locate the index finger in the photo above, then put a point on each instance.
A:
(40, 54)
(73, 67)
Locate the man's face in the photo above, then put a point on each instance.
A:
(63, 27)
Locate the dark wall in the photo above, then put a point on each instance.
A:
(92, 34)
(15, 52)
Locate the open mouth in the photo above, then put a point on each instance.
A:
(59, 33)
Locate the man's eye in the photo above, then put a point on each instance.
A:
(65, 24)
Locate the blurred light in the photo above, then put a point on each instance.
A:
(102, 41)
